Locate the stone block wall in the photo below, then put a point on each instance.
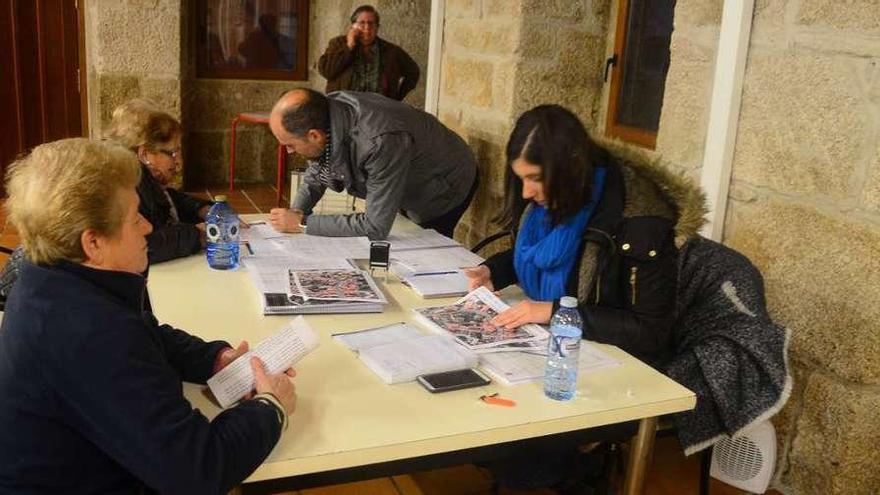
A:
(122, 65)
(501, 58)
(803, 207)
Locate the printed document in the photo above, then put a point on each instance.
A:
(278, 352)
(511, 368)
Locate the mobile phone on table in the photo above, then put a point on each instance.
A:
(453, 380)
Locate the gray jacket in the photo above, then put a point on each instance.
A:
(394, 156)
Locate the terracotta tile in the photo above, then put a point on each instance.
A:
(379, 486)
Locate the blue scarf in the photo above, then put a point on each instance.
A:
(545, 254)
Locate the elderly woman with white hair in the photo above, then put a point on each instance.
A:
(91, 382)
(177, 218)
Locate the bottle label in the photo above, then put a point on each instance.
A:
(212, 232)
(562, 346)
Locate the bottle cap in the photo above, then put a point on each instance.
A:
(220, 198)
(568, 302)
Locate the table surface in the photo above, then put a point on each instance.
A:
(347, 416)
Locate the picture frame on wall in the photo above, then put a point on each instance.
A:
(252, 39)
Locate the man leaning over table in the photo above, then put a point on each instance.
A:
(396, 157)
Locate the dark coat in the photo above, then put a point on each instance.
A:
(399, 73)
(169, 239)
(396, 157)
(92, 395)
(625, 278)
(729, 351)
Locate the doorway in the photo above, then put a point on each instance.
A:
(42, 75)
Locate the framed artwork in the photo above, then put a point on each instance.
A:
(252, 39)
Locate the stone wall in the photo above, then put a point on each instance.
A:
(805, 207)
(501, 58)
(132, 49)
(145, 48)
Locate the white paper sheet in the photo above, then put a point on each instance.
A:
(424, 261)
(419, 239)
(311, 246)
(278, 352)
(405, 360)
(438, 285)
(260, 230)
(371, 337)
(518, 367)
(269, 273)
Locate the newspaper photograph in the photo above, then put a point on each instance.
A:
(334, 285)
(469, 321)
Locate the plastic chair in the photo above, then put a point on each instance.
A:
(256, 118)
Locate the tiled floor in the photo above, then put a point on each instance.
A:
(670, 474)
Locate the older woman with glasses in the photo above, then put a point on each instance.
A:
(177, 218)
(91, 382)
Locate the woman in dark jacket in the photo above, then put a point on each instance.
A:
(600, 227)
(91, 382)
(177, 218)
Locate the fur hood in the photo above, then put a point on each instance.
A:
(652, 186)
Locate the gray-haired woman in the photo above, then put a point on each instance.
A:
(91, 383)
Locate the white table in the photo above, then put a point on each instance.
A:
(347, 417)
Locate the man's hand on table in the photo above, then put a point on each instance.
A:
(284, 220)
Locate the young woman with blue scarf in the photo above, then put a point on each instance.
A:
(604, 227)
(601, 226)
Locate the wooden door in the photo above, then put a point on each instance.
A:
(41, 88)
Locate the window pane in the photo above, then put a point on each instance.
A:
(649, 31)
(242, 35)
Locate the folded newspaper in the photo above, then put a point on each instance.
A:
(469, 321)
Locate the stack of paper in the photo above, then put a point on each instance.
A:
(432, 285)
(511, 368)
(399, 353)
(428, 261)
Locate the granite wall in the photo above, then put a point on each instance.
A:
(145, 48)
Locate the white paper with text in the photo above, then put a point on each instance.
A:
(278, 352)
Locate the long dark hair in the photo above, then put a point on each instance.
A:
(554, 139)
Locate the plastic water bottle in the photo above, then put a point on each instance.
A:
(221, 232)
(560, 376)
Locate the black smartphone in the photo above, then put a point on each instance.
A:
(453, 380)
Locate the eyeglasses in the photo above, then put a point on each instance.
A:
(366, 23)
(175, 153)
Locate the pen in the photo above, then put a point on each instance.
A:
(433, 273)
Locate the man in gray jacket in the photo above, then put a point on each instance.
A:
(396, 157)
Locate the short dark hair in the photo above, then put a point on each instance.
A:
(312, 113)
(554, 139)
(364, 8)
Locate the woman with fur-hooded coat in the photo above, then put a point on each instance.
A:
(596, 225)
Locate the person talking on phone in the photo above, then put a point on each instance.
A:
(362, 61)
